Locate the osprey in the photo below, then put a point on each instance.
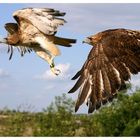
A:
(114, 57)
(35, 30)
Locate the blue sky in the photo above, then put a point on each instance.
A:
(27, 80)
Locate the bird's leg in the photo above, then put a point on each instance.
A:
(49, 58)
(52, 66)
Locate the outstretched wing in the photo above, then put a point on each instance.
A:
(45, 19)
(115, 55)
(12, 28)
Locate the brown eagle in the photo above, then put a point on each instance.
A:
(114, 57)
(35, 30)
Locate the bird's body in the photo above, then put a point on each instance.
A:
(35, 30)
(114, 57)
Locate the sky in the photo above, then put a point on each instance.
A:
(27, 81)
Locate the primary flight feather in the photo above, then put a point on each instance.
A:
(35, 31)
(114, 57)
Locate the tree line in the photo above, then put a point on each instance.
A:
(119, 118)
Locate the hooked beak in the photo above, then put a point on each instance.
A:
(87, 40)
(3, 40)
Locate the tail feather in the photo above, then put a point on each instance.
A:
(64, 41)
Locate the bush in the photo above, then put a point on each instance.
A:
(120, 118)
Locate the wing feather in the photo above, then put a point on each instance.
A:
(44, 19)
(123, 70)
(83, 94)
(112, 60)
(93, 99)
(64, 41)
(78, 84)
(106, 83)
(11, 27)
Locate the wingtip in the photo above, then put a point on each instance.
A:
(63, 13)
(58, 13)
(65, 21)
(76, 108)
(73, 40)
(73, 78)
(71, 91)
(91, 110)
(76, 75)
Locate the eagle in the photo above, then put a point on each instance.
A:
(114, 56)
(35, 31)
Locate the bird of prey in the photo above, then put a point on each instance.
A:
(35, 31)
(115, 55)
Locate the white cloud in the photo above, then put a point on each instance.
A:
(49, 87)
(3, 73)
(65, 73)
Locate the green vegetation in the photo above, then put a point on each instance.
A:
(121, 118)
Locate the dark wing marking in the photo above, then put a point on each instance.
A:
(66, 42)
(115, 55)
(11, 27)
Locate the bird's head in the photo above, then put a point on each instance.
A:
(93, 40)
(88, 40)
(10, 39)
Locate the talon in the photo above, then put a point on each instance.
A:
(58, 72)
(55, 71)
